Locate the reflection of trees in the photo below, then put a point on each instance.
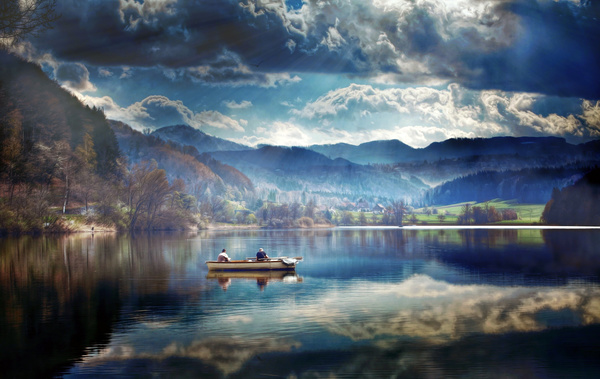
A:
(548, 252)
(574, 251)
(61, 295)
(53, 303)
(488, 237)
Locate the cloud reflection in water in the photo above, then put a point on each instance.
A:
(422, 307)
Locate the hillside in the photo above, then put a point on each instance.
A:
(385, 152)
(299, 169)
(532, 185)
(181, 162)
(45, 114)
(186, 135)
(577, 204)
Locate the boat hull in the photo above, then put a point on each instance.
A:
(251, 265)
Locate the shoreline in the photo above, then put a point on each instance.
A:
(99, 228)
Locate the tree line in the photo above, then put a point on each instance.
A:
(59, 156)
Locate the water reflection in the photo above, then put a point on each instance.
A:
(421, 307)
(262, 278)
(372, 302)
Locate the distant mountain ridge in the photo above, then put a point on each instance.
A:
(394, 151)
(204, 143)
(301, 169)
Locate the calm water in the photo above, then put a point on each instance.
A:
(364, 303)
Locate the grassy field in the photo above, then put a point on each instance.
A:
(528, 213)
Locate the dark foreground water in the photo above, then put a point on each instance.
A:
(364, 303)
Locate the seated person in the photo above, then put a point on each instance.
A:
(261, 255)
(223, 257)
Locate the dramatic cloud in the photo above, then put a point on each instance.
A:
(158, 111)
(74, 76)
(423, 70)
(534, 46)
(454, 111)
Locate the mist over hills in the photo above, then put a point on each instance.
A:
(295, 169)
(393, 170)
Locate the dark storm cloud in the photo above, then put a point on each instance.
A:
(547, 47)
(183, 34)
(75, 76)
(557, 53)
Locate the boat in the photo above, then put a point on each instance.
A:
(252, 264)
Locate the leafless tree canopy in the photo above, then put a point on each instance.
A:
(19, 18)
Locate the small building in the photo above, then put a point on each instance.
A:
(362, 206)
(378, 208)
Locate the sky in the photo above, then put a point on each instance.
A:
(303, 72)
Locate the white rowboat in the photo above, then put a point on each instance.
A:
(251, 264)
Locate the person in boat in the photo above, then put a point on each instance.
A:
(223, 257)
(261, 255)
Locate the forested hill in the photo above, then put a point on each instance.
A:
(532, 185)
(578, 204)
(294, 169)
(60, 157)
(201, 175)
(46, 118)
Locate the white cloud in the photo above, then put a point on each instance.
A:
(126, 72)
(333, 39)
(133, 12)
(104, 72)
(291, 45)
(216, 120)
(591, 115)
(278, 133)
(451, 112)
(158, 111)
(233, 105)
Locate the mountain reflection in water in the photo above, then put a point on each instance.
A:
(364, 302)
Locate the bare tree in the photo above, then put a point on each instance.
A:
(399, 209)
(19, 18)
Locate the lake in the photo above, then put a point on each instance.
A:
(365, 302)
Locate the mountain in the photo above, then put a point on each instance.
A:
(394, 151)
(181, 162)
(386, 152)
(186, 135)
(47, 115)
(295, 169)
(531, 185)
(522, 146)
(578, 204)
